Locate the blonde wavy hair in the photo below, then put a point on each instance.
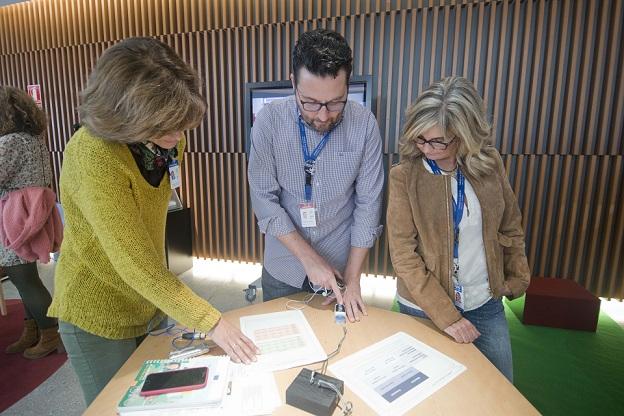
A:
(453, 105)
(141, 90)
(19, 113)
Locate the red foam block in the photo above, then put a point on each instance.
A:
(560, 303)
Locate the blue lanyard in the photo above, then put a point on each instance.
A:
(458, 207)
(310, 159)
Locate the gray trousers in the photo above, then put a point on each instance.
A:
(273, 288)
(96, 359)
(35, 296)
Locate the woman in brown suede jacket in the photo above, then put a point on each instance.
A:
(455, 230)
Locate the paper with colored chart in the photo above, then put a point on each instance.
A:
(285, 339)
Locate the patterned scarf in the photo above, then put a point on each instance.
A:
(152, 160)
(151, 156)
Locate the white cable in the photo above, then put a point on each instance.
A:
(331, 386)
(307, 299)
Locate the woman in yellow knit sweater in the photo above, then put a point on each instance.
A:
(111, 284)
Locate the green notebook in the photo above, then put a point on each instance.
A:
(209, 396)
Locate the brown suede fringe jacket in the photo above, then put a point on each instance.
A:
(420, 230)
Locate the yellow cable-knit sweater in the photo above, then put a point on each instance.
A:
(111, 278)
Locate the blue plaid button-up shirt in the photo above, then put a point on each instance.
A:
(346, 188)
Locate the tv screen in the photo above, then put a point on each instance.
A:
(257, 94)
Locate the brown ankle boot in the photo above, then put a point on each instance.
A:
(50, 340)
(29, 337)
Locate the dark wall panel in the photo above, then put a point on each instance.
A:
(549, 71)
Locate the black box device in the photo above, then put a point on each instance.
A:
(314, 393)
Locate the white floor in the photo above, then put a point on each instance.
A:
(613, 308)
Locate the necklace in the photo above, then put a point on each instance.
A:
(448, 171)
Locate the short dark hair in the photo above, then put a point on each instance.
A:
(322, 52)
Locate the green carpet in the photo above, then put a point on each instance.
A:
(565, 372)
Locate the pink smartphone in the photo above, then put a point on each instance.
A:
(173, 381)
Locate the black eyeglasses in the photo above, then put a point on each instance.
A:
(314, 107)
(434, 143)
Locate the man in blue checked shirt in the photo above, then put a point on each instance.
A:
(316, 178)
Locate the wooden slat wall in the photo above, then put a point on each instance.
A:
(549, 71)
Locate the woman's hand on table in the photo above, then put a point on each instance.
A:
(236, 345)
(463, 331)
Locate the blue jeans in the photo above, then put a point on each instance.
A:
(490, 321)
(273, 288)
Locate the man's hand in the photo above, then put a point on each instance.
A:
(353, 303)
(234, 343)
(321, 273)
(463, 331)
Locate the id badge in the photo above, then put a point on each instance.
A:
(174, 174)
(307, 210)
(459, 295)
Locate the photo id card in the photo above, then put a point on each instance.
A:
(307, 210)
(459, 295)
(174, 174)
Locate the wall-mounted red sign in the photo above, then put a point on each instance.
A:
(35, 92)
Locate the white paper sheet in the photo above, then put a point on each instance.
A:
(251, 393)
(285, 339)
(396, 374)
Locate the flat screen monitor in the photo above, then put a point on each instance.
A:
(257, 94)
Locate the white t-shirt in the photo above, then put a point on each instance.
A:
(473, 274)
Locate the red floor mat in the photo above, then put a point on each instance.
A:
(19, 376)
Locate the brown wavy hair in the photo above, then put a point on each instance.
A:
(19, 113)
(141, 90)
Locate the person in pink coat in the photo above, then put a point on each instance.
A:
(25, 163)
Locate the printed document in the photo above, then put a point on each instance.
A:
(251, 393)
(396, 374)
(285, 340)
